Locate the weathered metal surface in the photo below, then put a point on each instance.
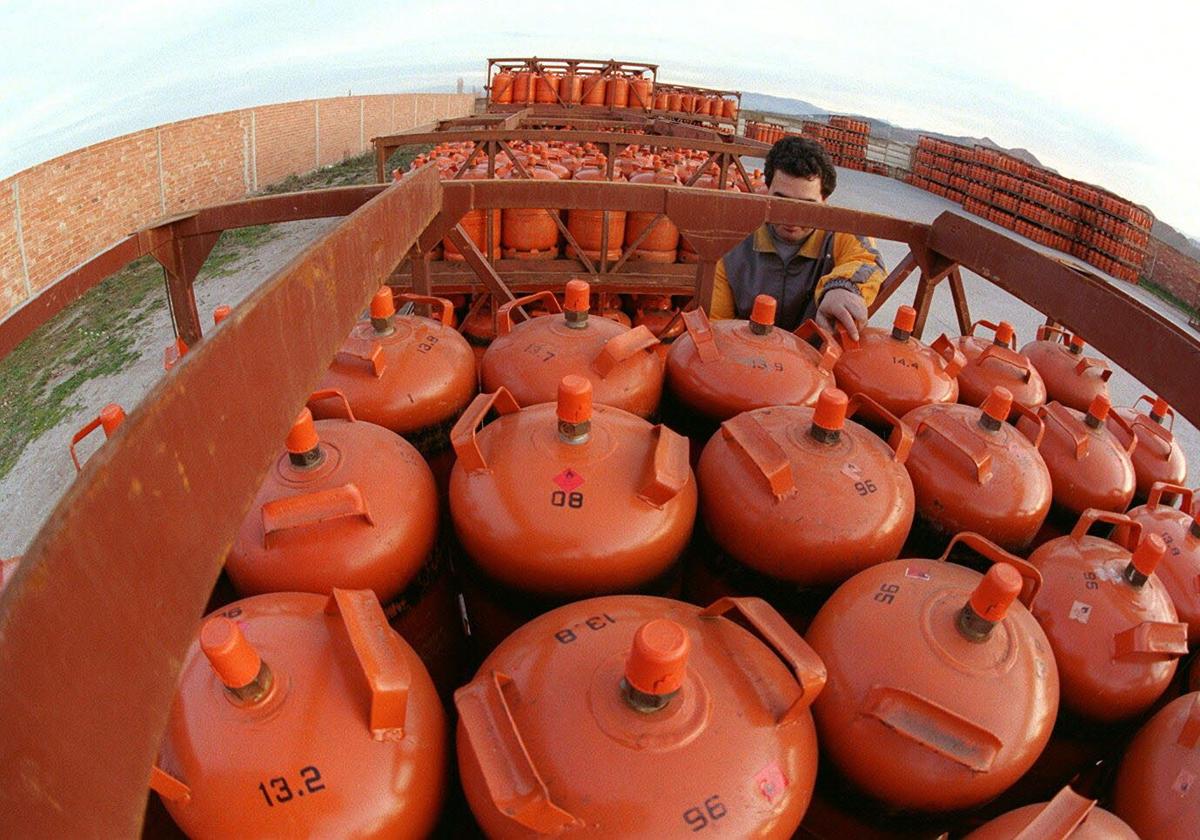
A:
(1143, 342)
(109, 596)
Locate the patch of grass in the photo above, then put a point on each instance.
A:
(1179, 303)
(232, 246)
(95, 337)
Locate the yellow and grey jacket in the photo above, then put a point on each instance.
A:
(825, 261)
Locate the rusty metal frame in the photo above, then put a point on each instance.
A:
(107, 600)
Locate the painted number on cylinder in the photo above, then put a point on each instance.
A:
(699, 817)
(896, 360)
(427, 344)
(865, 487)
(278, 790)
(887, 593)
(1089, 580)
(592, 623)
(561, 498)
(541, 351)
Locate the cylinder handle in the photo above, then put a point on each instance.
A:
(109, 419)
(696, 322)
(622, 347)
(953, 359)
(981, 545)
(829, 349)
(504, 321)
(380, 654)
(962, 438)
(315, 508)
(443, 307)
(464, 435)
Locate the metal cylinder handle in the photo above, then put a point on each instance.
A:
(381, 658)
(962, 439)
(1034, 418)
(670, 469)
(1128, 532)
(1069, 423)
(953, 358)
(844, 339)
(621, 347)
(1053, 332)
(994, 328)
(747, 435)
(1127, 427)
(830, 350)
(513, 782)
(696, 322)
(314, 508)
(994, 554)
(1160, 487)
(464, 435)
(367, 350)
(332, 394)
(901, 437)
(1150, 399)
(1164, 439)
(770, 627)
(1087, 363)
(1009, 357)
(443, 306)
(504, 322)
(1060, 817)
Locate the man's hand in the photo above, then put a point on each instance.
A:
(844, 306)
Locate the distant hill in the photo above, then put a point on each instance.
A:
(781, 105)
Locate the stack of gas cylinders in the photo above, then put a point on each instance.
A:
(760, 583)
(534, 234)
(612, 90)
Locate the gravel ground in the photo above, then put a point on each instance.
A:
(30, 491)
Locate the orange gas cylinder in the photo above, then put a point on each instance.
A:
(1158, 456)
(411, 374)
(587, 226)
(303, 715)
(109, 419)
(348, 504)
(657, 314)
(530, 359)
(703, 105)
(972, 471)
(546, 88)
(722, 368)
(641, 93)
(997, 363)
(675, 101)
(896, 370)
(662, 101)
(1157, 790)
(1071, 378)
(618, 92)
(479, 327)
(609, 306)
(570, 89)
(1068, 816)
(661, 243)
(729, 109)
(1089, 468)
(635, 716)
(531, 233)
(805, 496)
(1109, 619)
(942, 689)
(502, 88)
(558, 501)
(595, 89)
(687, 103)
(523, 87)
(474, 223)
(1179, 571)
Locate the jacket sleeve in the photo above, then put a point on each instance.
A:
(722, 299)
(856, 265)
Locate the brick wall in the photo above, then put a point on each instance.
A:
(58, 214)
(1174, 271)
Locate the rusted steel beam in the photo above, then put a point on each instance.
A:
(66, 290)
(1149, 346)
(961, 310)
(108, 598)
(479, 264)
(737, 146)
(894, 280)
(181, 258)
(285, 207)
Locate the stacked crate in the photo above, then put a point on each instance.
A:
(765, 132)
(1092, 224)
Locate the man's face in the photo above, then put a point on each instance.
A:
(804, 189)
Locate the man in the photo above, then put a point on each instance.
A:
(831, 277)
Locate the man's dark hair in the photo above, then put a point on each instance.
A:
(801, 158)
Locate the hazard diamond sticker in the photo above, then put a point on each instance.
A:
(568, 480)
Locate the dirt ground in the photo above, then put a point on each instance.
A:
(43, 470)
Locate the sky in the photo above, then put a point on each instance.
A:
(1100, 94)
